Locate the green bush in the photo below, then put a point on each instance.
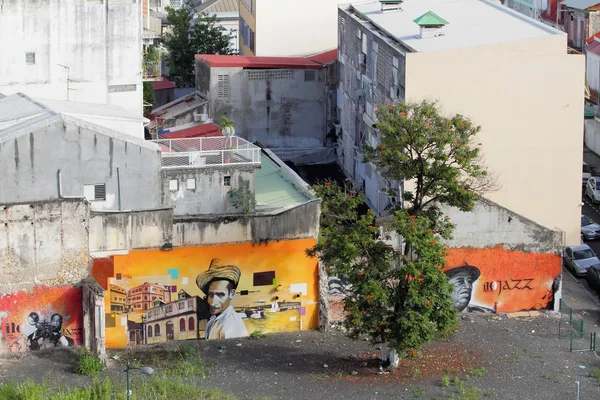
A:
(88, 364)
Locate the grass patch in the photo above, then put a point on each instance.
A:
(417, 392)
(157, 387)
(513, 358)
(478, 371)
(88, 364)
(595, 373)
(256, 335)
(445, 381)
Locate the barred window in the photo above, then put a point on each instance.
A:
(270, 74)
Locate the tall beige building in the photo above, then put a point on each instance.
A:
(508, 73)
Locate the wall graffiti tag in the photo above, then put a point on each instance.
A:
(512, 284)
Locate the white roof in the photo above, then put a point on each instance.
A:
(580, 4)
(471, 23)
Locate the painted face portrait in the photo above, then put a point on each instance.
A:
(219, 296)
(56, 323)
(462, 279)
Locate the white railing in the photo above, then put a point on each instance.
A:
(151, 70)
(207, 152)
(153, 24)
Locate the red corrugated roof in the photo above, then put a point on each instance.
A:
(326, 57)
(163, 84)
(591, 38)
(258, 62)
(594, 47)
(204, 130)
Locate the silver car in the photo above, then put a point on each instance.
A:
(587, 174)
(592, 189)
(589, 229)
(579, 258)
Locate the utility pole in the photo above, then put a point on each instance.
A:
(68, 78)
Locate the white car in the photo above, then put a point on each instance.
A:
(587, 174)
(589, 229)
(592, 189)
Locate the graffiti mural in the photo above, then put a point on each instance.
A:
(210, 292)
(498, 280)
(48, 317)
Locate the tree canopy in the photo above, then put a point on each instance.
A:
(400, 296)
(192, 33)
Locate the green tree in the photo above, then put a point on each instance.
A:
(191, 33)
(148, 97)
(401, 298)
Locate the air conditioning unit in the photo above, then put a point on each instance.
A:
(200, 117)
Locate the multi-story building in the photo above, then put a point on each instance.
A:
(144, 296)
(97, 60)
(287, 27)
(227, 15)
(488, 71)
(118, 298)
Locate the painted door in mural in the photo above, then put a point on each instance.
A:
(47, 317)
(225, 291)
(497, 280)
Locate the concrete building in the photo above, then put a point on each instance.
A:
(227, 14)
(474, 69)
(278, 101)
(581, 20)
(181, 319)
(287, 27)
(50, 155)
(97, 60)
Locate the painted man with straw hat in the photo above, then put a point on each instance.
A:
(219, 283)
(461, 279)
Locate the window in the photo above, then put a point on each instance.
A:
(169, 308)
(95, 192)
(181, 305)
(30, 58)
(182, 325)
(191, 324)
(223, 87)
(251, 40)
(149, 331)
(156, 330)
(191, 183)
(263, 278)
(309, 76)
(364, 44)
(173, 185)
(270, 74)
(227, 180)
(190, 303)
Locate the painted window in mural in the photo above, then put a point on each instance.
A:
(48, 317)
(498, 280)
(211, 292)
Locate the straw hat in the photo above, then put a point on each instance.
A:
(218, 272)
(473, 272)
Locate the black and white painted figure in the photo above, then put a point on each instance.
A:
(48, 333)
(339, 286)
(462, 279)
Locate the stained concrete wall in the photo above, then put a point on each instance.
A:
(277, 107)
(209, 195)
(102, 47)
(84, 155)
(43, 244)
(122, 231)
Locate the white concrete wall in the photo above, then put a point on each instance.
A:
(532, 123)
(99, 42)
(592, 71)
(292, 28)
(288, 112)
(43, 244)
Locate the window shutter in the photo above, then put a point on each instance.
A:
(223, 87)
(100, 192)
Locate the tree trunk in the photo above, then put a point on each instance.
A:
(389, 357)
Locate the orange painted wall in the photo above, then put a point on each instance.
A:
(510, 280)
(286, 258)
(45, 301)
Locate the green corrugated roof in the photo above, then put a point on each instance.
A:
(430, 19)
(273, 190)
(589, 112)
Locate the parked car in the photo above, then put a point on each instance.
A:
(592, 189)
(589, 229)
(592, 275)
(587, 174)
(579, 258)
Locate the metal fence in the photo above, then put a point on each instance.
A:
(208, 151)
(571, 326)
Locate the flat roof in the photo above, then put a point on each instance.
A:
(580, 4)
(258, 62)
(273, 190)
(190, 131)
(471, 23)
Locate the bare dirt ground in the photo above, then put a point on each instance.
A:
(494, 357)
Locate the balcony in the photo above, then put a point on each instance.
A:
(152, 27)
(208, 152)
(151, 71)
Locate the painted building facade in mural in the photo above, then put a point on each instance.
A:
(498, 280)
(210, 292)
(47, 317)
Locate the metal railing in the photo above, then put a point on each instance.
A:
(207, 152)
(151, 70)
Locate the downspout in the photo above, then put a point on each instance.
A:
(118, 190)
(60, 192)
